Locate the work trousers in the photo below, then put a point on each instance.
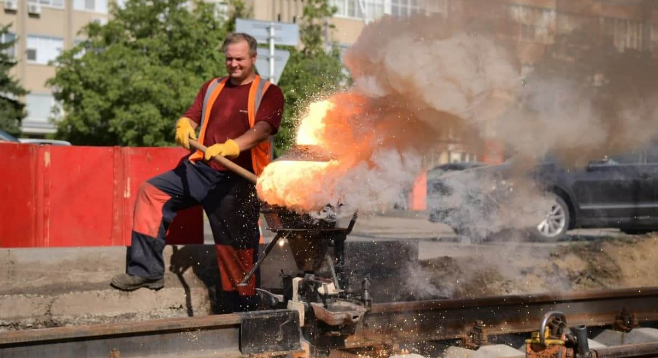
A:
(232, 207)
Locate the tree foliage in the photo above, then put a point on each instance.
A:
(133, 77)
(12, 110)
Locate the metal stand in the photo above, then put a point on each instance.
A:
(268, 248)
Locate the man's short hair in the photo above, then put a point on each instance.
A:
(236, 37)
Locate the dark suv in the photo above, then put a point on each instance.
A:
(615, 192)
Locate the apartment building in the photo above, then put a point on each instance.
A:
(352, 15)
(46, 27)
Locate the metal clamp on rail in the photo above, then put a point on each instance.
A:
(552, 338)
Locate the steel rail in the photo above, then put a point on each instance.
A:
(229, 335)
(419, 321)
(271, 332)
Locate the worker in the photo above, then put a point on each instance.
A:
(236, 115)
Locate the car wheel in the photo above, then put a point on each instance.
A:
(556, 221)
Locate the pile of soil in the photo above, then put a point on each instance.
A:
(509, 268)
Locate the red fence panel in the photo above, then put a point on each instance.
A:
(58, 196)
(17, 194)
(141, 164)
(78, 184)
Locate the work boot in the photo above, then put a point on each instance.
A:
(126, 282)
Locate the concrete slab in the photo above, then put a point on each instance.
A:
(595, 344)
(638, 335)
(87, 307)
(70, 286)
(66, 286)
(63, 270)
(610, 337)
(495, 351)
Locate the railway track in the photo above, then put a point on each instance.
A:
(276, 332)
(450, 319)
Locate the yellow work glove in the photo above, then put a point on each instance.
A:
(229, 149)
(184, 132)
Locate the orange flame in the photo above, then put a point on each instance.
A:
(312, 125)
(307, 186)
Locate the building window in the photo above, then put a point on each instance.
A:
(374, 9)
(340, 7)
(39, 113)
(53, 3)
(7, 38)
(40, 107)
(624, 33)
(653, 38)
(360, 9)
(43, 49)
(536, 24)
(406, 7)
(436, 6)
(31, 54)
(99, 6)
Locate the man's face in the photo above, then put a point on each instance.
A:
(239, 63)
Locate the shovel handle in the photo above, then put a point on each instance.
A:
(226, 163)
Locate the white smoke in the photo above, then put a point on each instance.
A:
(407, 94)
(422, 79)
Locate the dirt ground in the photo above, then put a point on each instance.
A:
(507, 268)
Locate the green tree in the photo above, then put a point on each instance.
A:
(12, 110)
(133, 77)
(311, 72)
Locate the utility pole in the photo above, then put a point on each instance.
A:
(326, 34)
(271, 59)
(270, 41)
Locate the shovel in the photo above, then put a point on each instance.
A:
(226, 163)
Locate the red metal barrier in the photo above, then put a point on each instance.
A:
(57, 196)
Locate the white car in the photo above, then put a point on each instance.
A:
(6, 137)
(43, 141)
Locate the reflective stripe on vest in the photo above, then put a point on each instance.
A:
(260, 154)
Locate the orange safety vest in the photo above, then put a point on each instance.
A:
(261, 154)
